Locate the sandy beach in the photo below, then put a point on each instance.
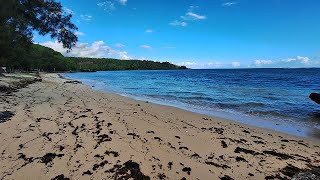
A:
(61, 129)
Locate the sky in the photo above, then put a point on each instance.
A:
(197, 33)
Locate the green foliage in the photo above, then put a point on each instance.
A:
(107, 64)
(46, 59)
(20, 18)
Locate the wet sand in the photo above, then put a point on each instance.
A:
(63, 129)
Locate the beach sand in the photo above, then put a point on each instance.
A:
(67, 130)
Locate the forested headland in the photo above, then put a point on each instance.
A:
(40, 58)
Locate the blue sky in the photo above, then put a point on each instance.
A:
(198, 33)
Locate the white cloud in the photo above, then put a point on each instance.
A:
(191, 16)
(262, 62)
(291, 59)
(295, 62)
(303, 60)
(78, 33)
(110, 5)
(97, 49)
(178, 23)
(235, 64)
(119, 45)
(187, 63)
(214, 65)
(229, 4)
(146, 47)
(123, 2)
(68, 11)
(298, 59)
(205, 65)
(107, 6)
(148, 31)
(85, 17)
(123, 55)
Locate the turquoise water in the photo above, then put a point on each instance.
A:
(271, 98)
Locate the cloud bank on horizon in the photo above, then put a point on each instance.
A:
(97, 49)
(197, 34)
(294, 62)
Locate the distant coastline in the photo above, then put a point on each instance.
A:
(44, 59)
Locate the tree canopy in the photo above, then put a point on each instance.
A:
(46, 59)
(20, 18)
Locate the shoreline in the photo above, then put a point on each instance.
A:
(63, 128)
(279, 125)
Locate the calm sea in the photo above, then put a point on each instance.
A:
(271, 98)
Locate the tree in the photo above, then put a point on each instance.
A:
(18, 20)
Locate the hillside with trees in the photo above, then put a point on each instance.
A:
(46, 59)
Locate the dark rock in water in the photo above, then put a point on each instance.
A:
(5, 116)
(315, 97)
(313, 174)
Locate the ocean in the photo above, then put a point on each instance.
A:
(271, 98)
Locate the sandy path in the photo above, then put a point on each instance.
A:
(64, 130)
